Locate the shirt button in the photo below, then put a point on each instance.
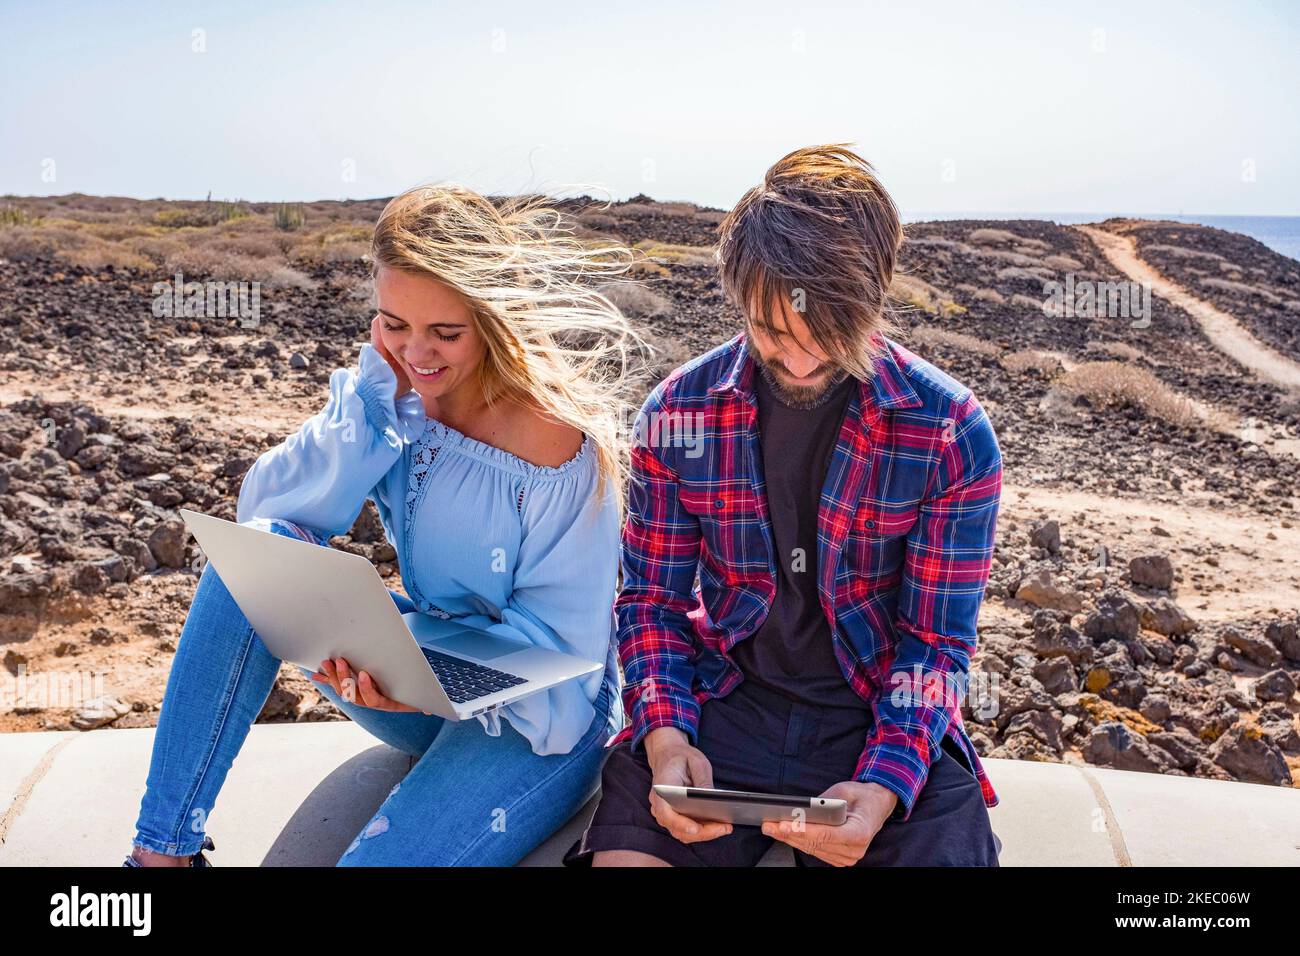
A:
(719, 503)
(870, 523)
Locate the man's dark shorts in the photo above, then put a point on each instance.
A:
(759, 740)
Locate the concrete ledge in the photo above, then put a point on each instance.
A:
(298, 793)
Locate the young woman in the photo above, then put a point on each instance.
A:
(482, 420)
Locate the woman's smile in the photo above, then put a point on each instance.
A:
(426, 373)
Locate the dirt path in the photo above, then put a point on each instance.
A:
(1227, 334)
(228, 412)
(1254, 571)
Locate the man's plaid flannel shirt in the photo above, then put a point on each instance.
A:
(905, 541)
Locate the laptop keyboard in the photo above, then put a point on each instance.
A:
(465, 681)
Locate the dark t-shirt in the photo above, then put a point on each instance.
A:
(791, 653)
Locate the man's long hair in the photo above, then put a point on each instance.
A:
(820, 235)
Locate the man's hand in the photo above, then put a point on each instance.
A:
(870, 805)
(673, 761)
(359, 690)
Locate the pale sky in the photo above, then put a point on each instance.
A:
(1092, 107)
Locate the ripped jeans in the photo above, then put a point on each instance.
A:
(469, 800)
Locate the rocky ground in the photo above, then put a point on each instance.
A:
(1143, 607)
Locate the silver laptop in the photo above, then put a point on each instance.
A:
(308, 603)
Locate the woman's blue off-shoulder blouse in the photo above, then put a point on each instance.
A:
(525, 551)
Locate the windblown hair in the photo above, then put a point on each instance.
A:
(553, 341)
(822, 235)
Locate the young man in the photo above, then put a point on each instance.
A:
(838, 504)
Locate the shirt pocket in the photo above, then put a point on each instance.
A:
(731, 527)
(718, 505)
(876, 546)
(876, 522)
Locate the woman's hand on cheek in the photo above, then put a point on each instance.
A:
(377, 340)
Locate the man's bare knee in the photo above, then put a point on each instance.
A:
(626, 858)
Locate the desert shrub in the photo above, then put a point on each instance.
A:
(987, 237)
(938, 242)
(667, 253)
(1027, 302)
(1004, 255)
(1119, 350)
(1031, 362)
(289, 216)
(1121, 384)
(285, 277)
(919, 294)
(1241, 288)
(1063, 263)
(11, 215)
(97, 255)
(254, 246)
(25, 243)
(636, 300)
(181, 217)
(990, 295)
(598, 221)
(930, 335)
(1036, 274)
(1182, 252)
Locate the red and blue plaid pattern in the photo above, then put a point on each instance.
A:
(905, 540)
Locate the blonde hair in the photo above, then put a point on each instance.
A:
(552, 339)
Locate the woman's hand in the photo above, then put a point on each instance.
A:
(360, 690)
(377, 340)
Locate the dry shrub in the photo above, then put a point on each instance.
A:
(1182, 252)
(1120, 350)
(667, 253)
(597, 222)
(312, 253)
(1033, 274)
(937, 242)
(919, 294)
(1027, 302)
(1032, 247)
(639, 210)
(1241, 288)
(635, 299)
(990, 295)
(1120, 384)
(1005, 255)
(930, 335)
(26, 243)
(286, 277)
(1031, 362)
(254, 246)
(663, 355)
(991, 237)
(1063, 263)
(97, 255)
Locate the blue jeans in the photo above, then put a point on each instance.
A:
(470, 799)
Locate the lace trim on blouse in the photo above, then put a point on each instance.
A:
(424, 455)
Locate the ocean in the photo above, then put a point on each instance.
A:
(1279, 233)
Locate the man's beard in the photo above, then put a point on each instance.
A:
(795, 396)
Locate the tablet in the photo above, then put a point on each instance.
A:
(751, 809)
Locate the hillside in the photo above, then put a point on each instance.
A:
(1144, 603)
